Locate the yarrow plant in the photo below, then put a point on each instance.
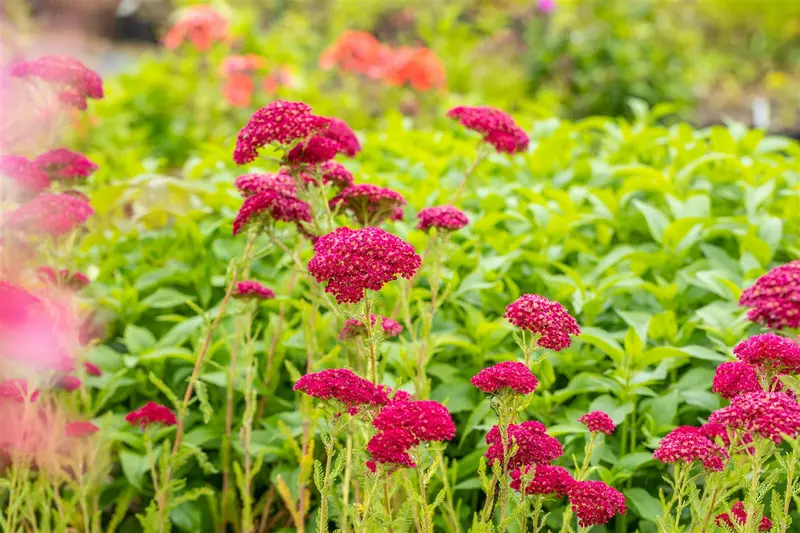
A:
(774, 299)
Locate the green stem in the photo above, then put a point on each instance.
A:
(370, 340)
(387, 502)
(423, 495)
(752, 495)
(787, 498)
(482, 153)
(323, 508)
(346, 482)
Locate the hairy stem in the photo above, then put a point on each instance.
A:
(368, 324)
(387, 501)
(463, 185)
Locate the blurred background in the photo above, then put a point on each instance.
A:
(709, 60)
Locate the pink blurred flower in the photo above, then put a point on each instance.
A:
(26, 178)
(73, 81)
(253, 290)
(151, 413)
(65, 165)
(443, 217)
(354, 327)
(50, 214)
(201, 25)
(80, 429)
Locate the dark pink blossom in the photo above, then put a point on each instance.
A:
(534, 445)
(279, 122)
(426, 420)
(345, 138)
(595, 503)
(540, 316)
(390, 447)
(497, 127)
(332, 173)
(253, 290)
(50, 214)
(269, 206)
(369, 204)
(342, 385)
(735, 378)
(547, 479)
(151, 413)
(442, 217)
(79, 430)
(68, 383)
(770, 352)
(354, 327)
(739, 513)
(27, 178)
(686, 444)
(353, 261)
(598, 422)
(92, 369)
(506, 376)
(313, 151)
(65, 165)
(770, 414)
(775, 297)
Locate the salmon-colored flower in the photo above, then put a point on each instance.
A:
(420, 68)
(201, 25)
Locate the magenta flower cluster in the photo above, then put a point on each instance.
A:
(545, 318)
(353, 261)
(510, 375)
(774, 299)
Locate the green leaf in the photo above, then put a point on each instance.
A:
(604, 341)
(645, 505)
(657, 222)
(138, 339)
(134, 467)
(166, 297)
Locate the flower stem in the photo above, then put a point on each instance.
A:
(323, 507)
(752, 495)
(370, 339)
(387, 502)
(463, 185)
(346, 482)
(422, 494)
(787, 498)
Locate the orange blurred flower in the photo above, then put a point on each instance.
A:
(361, 53)
(356, 51)
(201, 25)
(238, 89)
(420, 68)
(242, 64)
(280, 77)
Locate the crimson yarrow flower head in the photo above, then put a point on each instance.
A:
(540, 316)
(64, 278)
(313, 151)
(253, 290)
(354, 327)
(770, 414)
(774, 299)
(369, 204)
(280, 122)
(353, 261)
(740, 515)
(686, 444)
(595, 503)
(390, 447)
(269, 199)
(534, 445)
(735, 378)
(506, 376)
(598, 422)
(442, 217)
(73, 81)
(339, 132)
(426, 420)
(343, 386)
(770, 352)
(497, 127)
(65, 165)
(332, 173)
(547, 479)
(50, 214)
(92, 369)
(28, 179)
(151, 413)
(79, 430)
